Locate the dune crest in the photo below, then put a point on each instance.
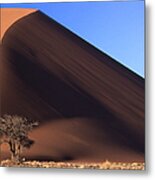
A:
(10, 16)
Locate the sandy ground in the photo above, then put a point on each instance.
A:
(104, 165)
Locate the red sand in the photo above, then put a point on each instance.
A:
(8, 16)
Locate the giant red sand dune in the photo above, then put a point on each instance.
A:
(90, 107)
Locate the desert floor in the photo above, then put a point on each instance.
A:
(103, 165)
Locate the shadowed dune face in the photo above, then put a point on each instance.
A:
(76, 140)
(90, 107)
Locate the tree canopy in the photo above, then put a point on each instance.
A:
(14, 131)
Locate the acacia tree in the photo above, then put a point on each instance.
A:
(14, 131)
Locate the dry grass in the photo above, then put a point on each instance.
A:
(104, 165)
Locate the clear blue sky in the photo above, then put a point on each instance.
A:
(117, 28)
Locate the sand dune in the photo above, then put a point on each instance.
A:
(90, 107)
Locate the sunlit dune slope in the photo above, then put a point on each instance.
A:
(90, 107)
(10, 15)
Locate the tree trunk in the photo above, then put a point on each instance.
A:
(14, 156)
(13, 159)
(17, 151)
(14, 151)
(0, 153)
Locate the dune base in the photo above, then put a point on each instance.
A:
(103, 165)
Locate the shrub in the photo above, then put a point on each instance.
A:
(14, 131)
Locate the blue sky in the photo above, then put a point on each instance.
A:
(116, 28)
